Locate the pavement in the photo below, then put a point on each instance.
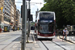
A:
(69, 38)
(64, 44)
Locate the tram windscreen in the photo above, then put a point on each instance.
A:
(46, 15)
(46, 28)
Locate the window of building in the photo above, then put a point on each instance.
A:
(7, 19)
(0, 12)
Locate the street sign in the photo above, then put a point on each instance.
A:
(31, 17)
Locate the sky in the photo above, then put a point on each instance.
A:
(33, 6)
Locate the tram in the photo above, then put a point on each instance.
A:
(45, 24)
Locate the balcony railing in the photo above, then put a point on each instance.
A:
(6, 19)
(7, 12)
(9, 3)
(7, 6)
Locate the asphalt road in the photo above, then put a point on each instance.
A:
(7, 38)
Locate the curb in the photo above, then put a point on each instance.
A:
(30, 39)
(7, 32)
(69, 41)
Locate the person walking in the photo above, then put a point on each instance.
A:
(65, 32)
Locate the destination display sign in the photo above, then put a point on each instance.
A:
(46, 16)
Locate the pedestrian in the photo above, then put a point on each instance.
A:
(65, 32)
(0, 30)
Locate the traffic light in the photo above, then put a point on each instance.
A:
(28, 13)
(21, 11)
(31, 17)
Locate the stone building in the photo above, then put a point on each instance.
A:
(17, 17)
(7, 13)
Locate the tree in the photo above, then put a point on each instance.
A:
(64, 9)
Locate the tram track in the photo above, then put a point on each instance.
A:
(45, 42)
(35, 38)
(59, 45)
(45, 45)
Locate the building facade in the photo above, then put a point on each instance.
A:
(7, 13)
(18, 15)
(1, 13)
(12, 13)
